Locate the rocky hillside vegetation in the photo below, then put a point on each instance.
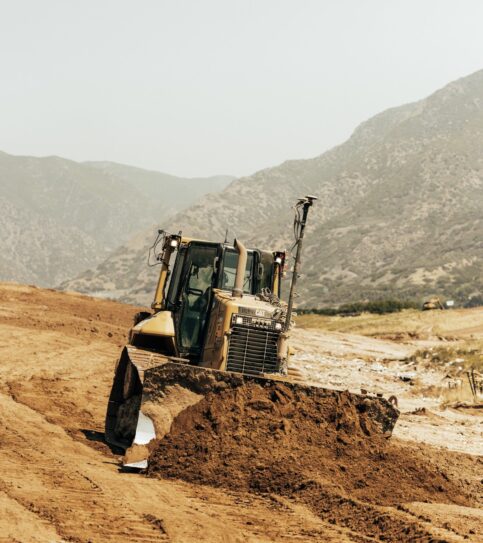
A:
(400, 210)
(59, 217)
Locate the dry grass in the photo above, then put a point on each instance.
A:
(460, 331)
(464, 323)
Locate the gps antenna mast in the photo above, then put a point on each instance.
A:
(301, 211)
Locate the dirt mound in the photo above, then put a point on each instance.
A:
(268, 438)
(321, 450)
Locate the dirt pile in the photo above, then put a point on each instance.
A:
(323, 451)
(272, 438)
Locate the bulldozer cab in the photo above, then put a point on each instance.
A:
(198, 267)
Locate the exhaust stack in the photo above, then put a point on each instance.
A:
(237, 291)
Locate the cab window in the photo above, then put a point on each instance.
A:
(196, 295)
(266, 271)
(230, 261)
(175, 276)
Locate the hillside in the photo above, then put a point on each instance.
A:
(400, 209)
(59, 217)
(169, 193)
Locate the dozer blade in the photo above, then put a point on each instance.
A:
(151, 390)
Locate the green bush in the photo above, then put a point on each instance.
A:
(379, 307)
(474, 301)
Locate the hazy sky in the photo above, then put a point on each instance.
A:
(218, 86)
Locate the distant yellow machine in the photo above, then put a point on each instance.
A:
(432, 303)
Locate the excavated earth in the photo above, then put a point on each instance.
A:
(318, 450)
(248, 463)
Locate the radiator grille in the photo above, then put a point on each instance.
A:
(252, 351)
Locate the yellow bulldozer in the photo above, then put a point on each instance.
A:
(217, 321)
(432, 303)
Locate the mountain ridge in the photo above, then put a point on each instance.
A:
(399, 209)
(60, 217)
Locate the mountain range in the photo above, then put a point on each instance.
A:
(399, 214)
(59, 217)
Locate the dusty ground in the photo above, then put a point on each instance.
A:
(400, 354)
(60, 482)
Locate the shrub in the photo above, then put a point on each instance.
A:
(379, 307)
(474, 301)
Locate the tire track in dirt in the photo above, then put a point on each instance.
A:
(58, 492)
(63, 482)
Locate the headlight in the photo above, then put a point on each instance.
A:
(278, 326)
(239, 320)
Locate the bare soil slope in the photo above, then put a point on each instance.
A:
(60, 482)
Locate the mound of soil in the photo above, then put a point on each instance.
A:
(320, 450)
(274, 439)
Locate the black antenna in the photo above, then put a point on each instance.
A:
(301, 211)
(226, 236)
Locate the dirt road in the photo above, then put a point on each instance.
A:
(60, 482)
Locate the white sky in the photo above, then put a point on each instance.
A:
(199, 87)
